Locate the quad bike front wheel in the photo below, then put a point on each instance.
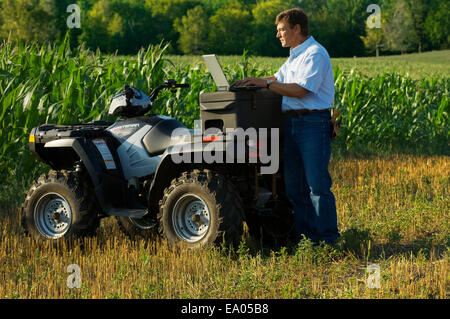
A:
(201, 208)
(58, 206)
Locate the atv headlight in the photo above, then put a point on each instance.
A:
(31, 139)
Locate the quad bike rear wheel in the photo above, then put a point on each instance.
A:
(58, 206)
(201, 208)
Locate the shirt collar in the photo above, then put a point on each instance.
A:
(295, 52)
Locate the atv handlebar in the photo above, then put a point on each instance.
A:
(172, 85)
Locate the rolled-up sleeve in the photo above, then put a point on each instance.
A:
(311, 72)
(280, 74)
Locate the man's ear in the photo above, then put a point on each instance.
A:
(298, 28)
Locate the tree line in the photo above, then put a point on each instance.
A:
(230, 26)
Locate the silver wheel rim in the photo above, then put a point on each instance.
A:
(53, 215)
(191, 218)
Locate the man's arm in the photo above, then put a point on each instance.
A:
(245, 81)
(288, 89)
(285, 89)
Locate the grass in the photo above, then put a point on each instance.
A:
(393, 212)
(417, 66)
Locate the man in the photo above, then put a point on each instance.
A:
(306, 83)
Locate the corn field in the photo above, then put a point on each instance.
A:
(57, 84)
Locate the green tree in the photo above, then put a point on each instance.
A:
(137, 25)
(373, 40)
(95, 27)
(211, 6)
(193, 29)
(399, 30)
(120, 25)
(28, 20)
(164, 14)
(229, 28)
(338, 24)
(263, 40)
(418, 10)
(437, 24)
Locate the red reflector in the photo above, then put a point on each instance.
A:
(211, 138)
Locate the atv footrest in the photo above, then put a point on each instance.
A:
(127, 212)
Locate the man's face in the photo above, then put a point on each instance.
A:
(289, 37)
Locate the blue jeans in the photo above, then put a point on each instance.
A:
(307, 150)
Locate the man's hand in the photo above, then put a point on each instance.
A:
(285, 89)
(251, 82)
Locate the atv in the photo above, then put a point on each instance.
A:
(128, 169)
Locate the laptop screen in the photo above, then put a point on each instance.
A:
(216, 71)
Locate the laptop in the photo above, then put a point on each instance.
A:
(219, 78)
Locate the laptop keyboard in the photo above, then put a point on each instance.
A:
(245, 88)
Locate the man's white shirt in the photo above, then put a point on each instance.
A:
(309, 66)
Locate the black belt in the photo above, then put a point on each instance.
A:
(301, 112)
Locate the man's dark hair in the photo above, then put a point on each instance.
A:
(293, 17)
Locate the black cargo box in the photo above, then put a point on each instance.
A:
(242, 109)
